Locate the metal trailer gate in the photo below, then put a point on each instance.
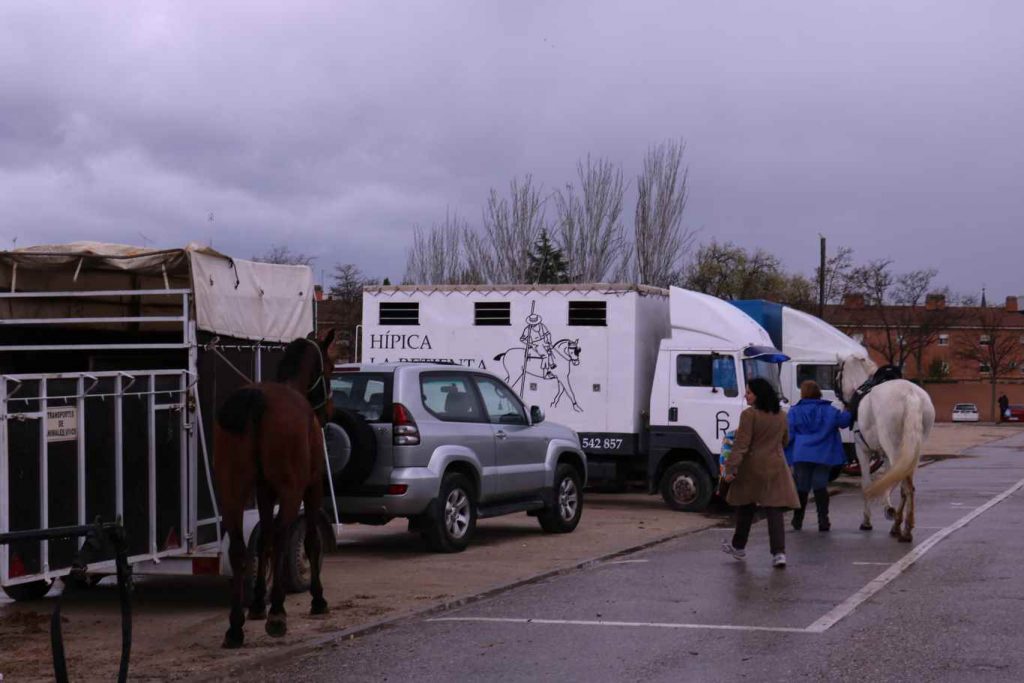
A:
(132, 444)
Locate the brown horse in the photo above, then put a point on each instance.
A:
(268, 441)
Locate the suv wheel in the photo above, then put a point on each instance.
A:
(564, 515)
(454, 520)
(686, 487)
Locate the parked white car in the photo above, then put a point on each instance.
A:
(965, 412)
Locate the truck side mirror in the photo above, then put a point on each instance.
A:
(536, 415)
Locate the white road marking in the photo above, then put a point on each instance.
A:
(833, 617)
(648, 624)
(847, 607)
(628, 561)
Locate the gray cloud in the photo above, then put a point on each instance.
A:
(339, 126)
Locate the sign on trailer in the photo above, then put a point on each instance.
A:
(61, 424)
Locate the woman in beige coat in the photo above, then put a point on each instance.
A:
(757, 472)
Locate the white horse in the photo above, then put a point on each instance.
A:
(520, 363)
(894, 420)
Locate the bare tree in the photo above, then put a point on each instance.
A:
(660, 241)
(282, 254)
(436, 255)
(512, 226)
(995, 348)
(589, 232)
(728, 271)
(838, 268)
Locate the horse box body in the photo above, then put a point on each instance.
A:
(604, 346)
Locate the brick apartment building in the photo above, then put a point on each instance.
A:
(949, 349)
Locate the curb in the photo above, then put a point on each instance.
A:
(306, 647)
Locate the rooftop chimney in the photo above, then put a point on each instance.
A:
(1012, 304)
(935, 302)
(853, 301)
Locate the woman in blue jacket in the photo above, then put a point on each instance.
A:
(815, 447)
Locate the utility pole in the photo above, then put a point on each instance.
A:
(821, 280)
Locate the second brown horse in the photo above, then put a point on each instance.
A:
(268, 441)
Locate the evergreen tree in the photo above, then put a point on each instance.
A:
(547, 263)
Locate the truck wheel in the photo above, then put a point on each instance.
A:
(33, 590)
(453, 522)
(563, 516)
(686, 487)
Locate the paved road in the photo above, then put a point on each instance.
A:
(685, 611)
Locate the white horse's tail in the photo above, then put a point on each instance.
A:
(905, 461)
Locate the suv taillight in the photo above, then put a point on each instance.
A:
(403, 427)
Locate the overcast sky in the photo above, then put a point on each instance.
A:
(892, 127)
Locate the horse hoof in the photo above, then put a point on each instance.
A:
(257, 614)
(866, 527)
(319, 608)
(890, 513)
(233, 641)
(893, 532)
(906, 539)
(276, 626)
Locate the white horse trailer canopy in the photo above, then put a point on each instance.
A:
(113, 360)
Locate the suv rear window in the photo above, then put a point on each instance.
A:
(365, 393)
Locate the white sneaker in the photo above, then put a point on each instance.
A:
(779, 560)
(735, 552)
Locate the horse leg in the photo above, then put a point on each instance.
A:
(561, 390)
(897, 524)
(235, 636)
(314, 549)
(265, 503)
(908, 529)
(288, 512)
(864, 458)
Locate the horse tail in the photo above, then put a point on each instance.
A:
(242, 409)
(905, 462)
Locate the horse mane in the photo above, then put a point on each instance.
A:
(291, 362)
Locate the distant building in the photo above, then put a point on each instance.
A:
(932, 343)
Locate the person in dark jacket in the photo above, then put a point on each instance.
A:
(815, 447)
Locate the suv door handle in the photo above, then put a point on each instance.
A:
(500, 434)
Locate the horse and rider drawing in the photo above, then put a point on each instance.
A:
(540, 358)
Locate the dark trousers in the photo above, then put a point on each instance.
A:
(776, 528)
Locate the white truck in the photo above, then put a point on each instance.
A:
(814, 347)
(649, 378)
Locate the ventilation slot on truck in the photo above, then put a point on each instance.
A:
(492, 313)
(588, 313)
(400, 314)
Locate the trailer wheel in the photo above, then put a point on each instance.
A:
(296, 562)
(686, 486)
(33, 590)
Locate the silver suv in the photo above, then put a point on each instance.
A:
(443, 446)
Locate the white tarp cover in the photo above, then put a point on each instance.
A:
(258, 301)
(807, 338)
(707, 323)
(252, 300)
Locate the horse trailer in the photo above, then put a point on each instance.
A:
(113, 361)
(649, 378)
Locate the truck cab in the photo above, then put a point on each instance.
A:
(698, 393)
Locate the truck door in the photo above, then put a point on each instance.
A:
(520, 450)
(705, 395)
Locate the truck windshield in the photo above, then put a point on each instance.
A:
(764, 370)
